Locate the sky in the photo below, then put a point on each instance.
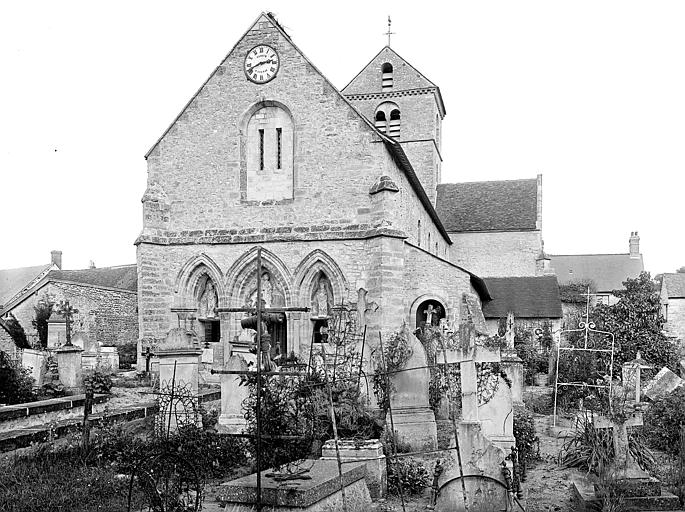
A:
(590, 94)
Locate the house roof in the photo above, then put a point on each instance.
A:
(14, 280)
(607, 271)
(674, 285)
(526, 297)
(124, 277)
(509, 205)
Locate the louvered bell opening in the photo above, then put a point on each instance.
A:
(387, 80)
(394, 124)
(380, 121)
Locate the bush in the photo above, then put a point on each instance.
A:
(411, 472)
(663, 420)
(97, 381)
(16, 383)
(128, 355)
(527, 442)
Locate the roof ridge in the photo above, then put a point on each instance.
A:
(487, 181)
(98, 268)
(26, 267)
(593, 254)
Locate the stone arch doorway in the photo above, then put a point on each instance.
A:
(429, 312)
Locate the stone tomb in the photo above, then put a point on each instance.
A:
(370, 452)
(638, 490)
(320, 493)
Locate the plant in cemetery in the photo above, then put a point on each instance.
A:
(527, 441)
(16, 383)
(396, 353)
(408, 472)
(663, 421)
(42, 311)
(16, 332)
(637, 324)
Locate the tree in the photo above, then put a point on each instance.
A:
(42, 311)
(637, 323)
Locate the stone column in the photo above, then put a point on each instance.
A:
(186, 362)
(69, 367)
(232, 396)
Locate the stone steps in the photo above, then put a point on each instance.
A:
(25, 436)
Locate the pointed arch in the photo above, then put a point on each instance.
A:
(244, 269)
(190, 275)
(308, 270)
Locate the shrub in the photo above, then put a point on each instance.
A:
(16, 383)
(663, 420)
(527, 442)
(411, 472)
(128, 355)
(97, 381)
(16, 332)
(42, 311)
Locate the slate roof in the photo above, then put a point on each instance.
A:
(124, 277)
(675, 285)
(607, 271)
(509, 205)
(527, 297)
(13, 280)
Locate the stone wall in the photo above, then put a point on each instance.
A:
(497, 254)
(6, 343)
(676, 318)
(106, 315)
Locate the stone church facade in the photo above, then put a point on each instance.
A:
(338, 189)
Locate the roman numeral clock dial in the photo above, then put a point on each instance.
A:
(261, 64)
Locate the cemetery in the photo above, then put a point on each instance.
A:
(440, 418)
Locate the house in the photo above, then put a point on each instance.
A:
(106, 298)
(673, 303)
(606, 272)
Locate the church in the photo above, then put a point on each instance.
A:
(338, 187)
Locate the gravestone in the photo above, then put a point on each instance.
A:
(632, 374)
(320, 493)
(69, 367)
(632, 484)
(57, 330)
(233, 394)
(413, 419)
(34, 360)
(370, 452)
(662, 384)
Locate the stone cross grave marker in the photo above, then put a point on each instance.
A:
(68, 311)
(624, 467)
(633, 369)
(510, 330)
(429, 312)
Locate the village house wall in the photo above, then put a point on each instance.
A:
(108, 316)
(676, 317)
(7, 343)
(497, 254)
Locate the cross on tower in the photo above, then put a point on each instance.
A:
(389, 33)
(429, 312)
(68, 311)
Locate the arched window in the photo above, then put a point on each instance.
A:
(436, 248)
(394, 124)
(418, 234)
(386, 70)
(380, 121)
(428, 246)
(269, 154)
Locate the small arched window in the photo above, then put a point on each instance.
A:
(436, 248)
(418, 233)
(380, 121)
(394, 124)
(428, 246)
(386, 70)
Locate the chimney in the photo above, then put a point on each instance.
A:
(634, 244)
(56, 258)
(92, 264)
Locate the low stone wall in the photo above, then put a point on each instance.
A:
(44, 412)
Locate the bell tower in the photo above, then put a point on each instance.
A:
(402, 103)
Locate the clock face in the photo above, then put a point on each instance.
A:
(261, 64)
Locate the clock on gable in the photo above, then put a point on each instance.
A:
(261, 64)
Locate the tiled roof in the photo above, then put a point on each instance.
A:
(675, 285)
(13, 280)
(509, 205)
(527, 297)
(607, 271)
(124, 277)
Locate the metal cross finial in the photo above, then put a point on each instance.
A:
(68, 311)
(389, 33)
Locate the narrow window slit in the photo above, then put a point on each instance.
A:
(261, 150)
(279, 132)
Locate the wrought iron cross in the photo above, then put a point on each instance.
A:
(389, 33)
(68, 311)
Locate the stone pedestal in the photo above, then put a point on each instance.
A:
(69, 367)
(513, 367)
(57, 331)
(413, 419)
(371, 453)
(232, 396)
(179, 367)
(321, 493)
